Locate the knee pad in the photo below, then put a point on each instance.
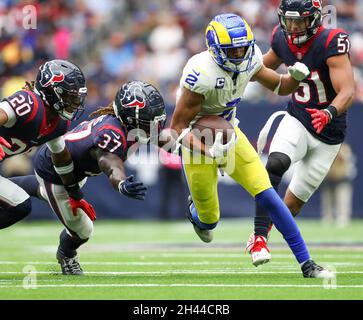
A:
(278, 163)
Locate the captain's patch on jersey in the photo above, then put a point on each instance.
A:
(220, 83)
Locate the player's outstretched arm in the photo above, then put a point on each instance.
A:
(282, 84)
(113, 167)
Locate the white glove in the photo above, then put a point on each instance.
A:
(298, 71)
(218, 150)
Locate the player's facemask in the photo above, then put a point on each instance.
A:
(300, 29)
(70, 106)
(237, 59)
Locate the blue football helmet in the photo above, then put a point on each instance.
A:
(62, 85)
(140, 106)
(230, 31)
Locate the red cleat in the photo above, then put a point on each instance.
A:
(257, 247)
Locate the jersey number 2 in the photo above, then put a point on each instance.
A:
(305, 95)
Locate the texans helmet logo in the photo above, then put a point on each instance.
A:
(133, 97)
(317, 4)
(135, 103)
(50, 76)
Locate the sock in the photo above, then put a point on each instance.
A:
(29, 183)
(68, 244)
(284, 222)
(9, 216)
(262, 218)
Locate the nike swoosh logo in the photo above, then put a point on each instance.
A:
(30, 100)
(116, 135)
(196, 73)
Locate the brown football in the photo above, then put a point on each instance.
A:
(206, 128)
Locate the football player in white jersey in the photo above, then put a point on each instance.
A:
(213, 83)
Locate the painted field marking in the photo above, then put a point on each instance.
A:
(274, 265)
(173, 272)
(143, 285)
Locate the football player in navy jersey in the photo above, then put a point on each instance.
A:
(36, 115)
(100, 145)
(314, 126)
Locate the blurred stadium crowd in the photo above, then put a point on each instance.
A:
(115, 40)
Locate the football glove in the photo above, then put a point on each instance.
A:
(83, 205)
(3, 142)
(320, 119)
(132, 188)
(219, 150)
(76, 201)
(298, 71)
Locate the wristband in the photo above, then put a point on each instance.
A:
(74, 191)
(64, 170)
(331, 111)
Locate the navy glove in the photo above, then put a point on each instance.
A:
(132, 188)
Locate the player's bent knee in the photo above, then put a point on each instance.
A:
(278, 163)
(83, 227)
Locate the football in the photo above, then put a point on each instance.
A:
(208, 126)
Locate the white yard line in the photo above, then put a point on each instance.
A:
(173, 272)
(273, 265)
(143, 285)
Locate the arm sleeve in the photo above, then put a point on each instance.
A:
(10, 113)
(56, 145)
(337, 44)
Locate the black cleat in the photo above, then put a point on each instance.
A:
(70, 266)
(311, 270)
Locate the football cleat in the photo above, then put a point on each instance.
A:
(69, 266)
(204, 234)
(311, 270)
(259, 251)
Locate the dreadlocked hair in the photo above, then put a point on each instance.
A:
(29, 86)
(103, 111)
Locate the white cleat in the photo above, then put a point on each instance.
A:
(204, 235)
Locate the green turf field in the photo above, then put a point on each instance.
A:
(153, 260)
